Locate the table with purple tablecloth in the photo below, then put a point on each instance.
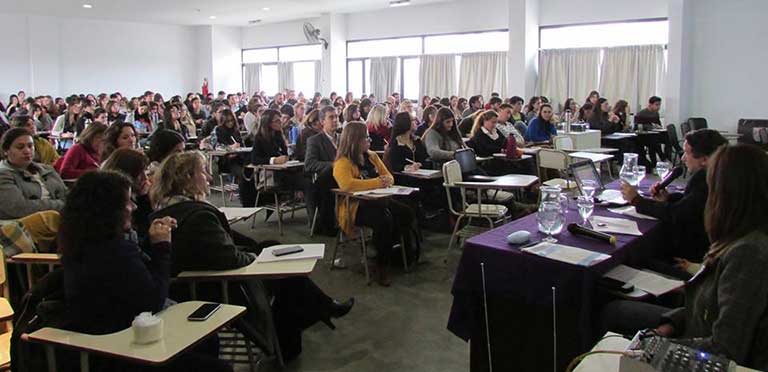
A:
(519, 293)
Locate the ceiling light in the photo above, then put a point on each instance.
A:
(396, 3)
(87, 6)
(212, 17)
(266, 9)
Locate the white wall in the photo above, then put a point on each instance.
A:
(560, 12)
(226, 59)
(728, 61)
(455, 16)
(277, 34)
(59, 56)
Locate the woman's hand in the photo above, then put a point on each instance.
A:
(160, 230)
(386, 181)
(682, 263)
(665, 330)
(413, 167)
(628, 191)
(281, 159)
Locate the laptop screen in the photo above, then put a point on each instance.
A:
(586, 170)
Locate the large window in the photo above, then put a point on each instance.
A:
(303, 58)
(605, 35)
(408, 50)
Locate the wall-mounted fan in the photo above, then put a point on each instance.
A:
(313, 35)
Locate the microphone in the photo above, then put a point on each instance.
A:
(581, 230)
(676, 172)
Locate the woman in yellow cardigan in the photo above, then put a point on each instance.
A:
(357, 169)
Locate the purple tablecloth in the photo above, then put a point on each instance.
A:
(527, 279)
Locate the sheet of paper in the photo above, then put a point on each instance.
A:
(567, 254)
(292, 162)
(650, 282)
(396, 190)
(615, 225)
(423, 172)
(631, 212)
(310, 251)
(238, 213)
(612, 196)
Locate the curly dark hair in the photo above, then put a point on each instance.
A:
(94, 212)
(162, 143)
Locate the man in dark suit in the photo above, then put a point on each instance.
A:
(318, 164)
(682, 214)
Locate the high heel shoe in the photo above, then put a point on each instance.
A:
(337, 310)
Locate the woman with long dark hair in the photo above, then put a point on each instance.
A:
(442, 139)
(542, 127)
(172, 120)
(404, 152)
(603, 119)
(621, 110)
(120, 135)
(726, 302)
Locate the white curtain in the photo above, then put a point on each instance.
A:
(384, 77)
(553, 72)
(618, 74)
(584, 64)
(252, 78)
(650, 73)
(318, 78)
(483, 73)
(437, 75)
(284, 76)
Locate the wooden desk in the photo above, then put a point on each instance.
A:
(278, 167)
(504, 157)
(179, 334)
(29, 259)
(619, 136)
(238, 150)
(369, 196)
(235, 214)
(279, 269)
(596, 158)
(508, 182)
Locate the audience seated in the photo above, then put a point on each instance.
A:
(603, 119)
(427, 118)
(532, 109)
(442, 139)
(289, 125)
(120, 135)
(506, 127)
(648, 118)
(405, 152)
(163, 144)
(378, 128)
(475, 104)
(682, 214)
(726, 303)
(44, 151)
(172, 121)
(321, 153)
(541, 128)
(133, 164)
(26, 187)
(485, 138)
(204, 240)
(311, 125)
(357, 169)
(85, 155)
(107, 281)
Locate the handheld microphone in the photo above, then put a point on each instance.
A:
(676, 172)
(581, 230)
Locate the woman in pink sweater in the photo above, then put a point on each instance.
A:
(85, 155)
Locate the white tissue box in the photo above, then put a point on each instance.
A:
(147, 328)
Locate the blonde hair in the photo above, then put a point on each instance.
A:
(481, 119)
(175, 176)
(377, 117)
(350, 144)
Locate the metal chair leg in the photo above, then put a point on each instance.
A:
(312, 224)
(405, 256)
(279, 212)
(455, 231)
(365, 256)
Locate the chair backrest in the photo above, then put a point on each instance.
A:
(563, 142)
(698, 123)
(685, 127)
(466, 159)
(672, 136)
(451, 173)
(553, 159)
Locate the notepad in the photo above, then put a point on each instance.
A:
(423, 172)
(615, 225)
(316, 251)
(397, 190)
(631, 212)
(647, 281)
(611, 196)
(567, 254)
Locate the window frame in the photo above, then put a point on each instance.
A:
(633, 20)
(278, 47)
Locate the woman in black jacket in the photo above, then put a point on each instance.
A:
(404, 152)
(133, 164)
(107, 281)
(271, 147)
(603, 119)
(485, 138)
(203, 240)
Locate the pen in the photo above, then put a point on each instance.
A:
(410, 161)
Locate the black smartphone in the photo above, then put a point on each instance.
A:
(287, 250)
(203, 312)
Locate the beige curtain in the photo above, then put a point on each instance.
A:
(251, 78)
(384, 77)
(437, 75)
(483, 73)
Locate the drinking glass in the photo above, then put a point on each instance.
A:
(586, 207)
(551, 220)
(588, 188)
(663, 168)
(640, 173)
(627, 172)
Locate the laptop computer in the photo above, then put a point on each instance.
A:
(586, 171)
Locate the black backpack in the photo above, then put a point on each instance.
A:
(43, 306)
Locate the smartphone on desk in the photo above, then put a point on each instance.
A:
(203, 312)
(287, 250)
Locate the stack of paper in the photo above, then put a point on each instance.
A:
(423, 172)
(567, 254)
(316, 251)
(631, 212)
(650, 282)
(615, 225)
